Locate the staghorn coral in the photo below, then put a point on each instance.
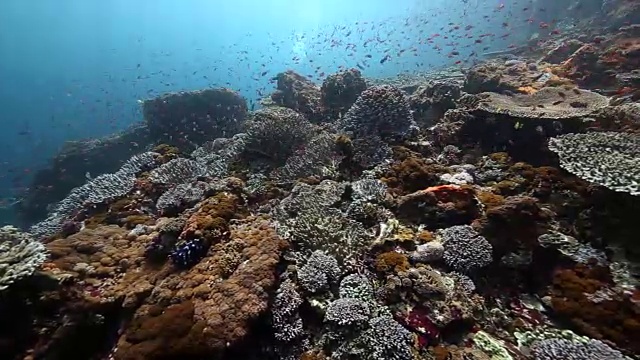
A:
(340, 91)
(381, 110)
(608, 159)
(465, 250)
(318, 272)
(276, 132)
(20, 256)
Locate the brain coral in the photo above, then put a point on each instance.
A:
(547, 103)
(609, 159)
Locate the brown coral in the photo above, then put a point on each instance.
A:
(210, 220)
(514, 225)
(583, 296)
(411, 174)
(439, 206)
(218, 302)
(391, 262)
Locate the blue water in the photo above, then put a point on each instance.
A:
(74, 69)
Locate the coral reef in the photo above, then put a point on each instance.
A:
(20, 256)
(327, 225)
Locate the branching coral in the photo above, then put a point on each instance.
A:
(276, 132)
(609, 159)
(286, 320)
(381, 110)
(319, 270)
(20, 256)
(464, 249)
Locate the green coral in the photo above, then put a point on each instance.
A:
(491, 346)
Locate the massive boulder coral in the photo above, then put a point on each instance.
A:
(188, 118)
(381, 110)
(296, 92)
(340, 91)
(609, 159)
(20, 256)
(429, 102)
(276, 132)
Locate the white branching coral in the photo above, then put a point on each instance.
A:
(610, 159)
(20, 256)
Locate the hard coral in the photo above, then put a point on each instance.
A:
(225, 301)
(412, 174)
(609, 159)
(439, 206)
(20, 256)
(210, 220)
(298, 93)
(391, 262)
(615, 318)
(340, 91)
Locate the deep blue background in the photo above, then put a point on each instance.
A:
(73, 69)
